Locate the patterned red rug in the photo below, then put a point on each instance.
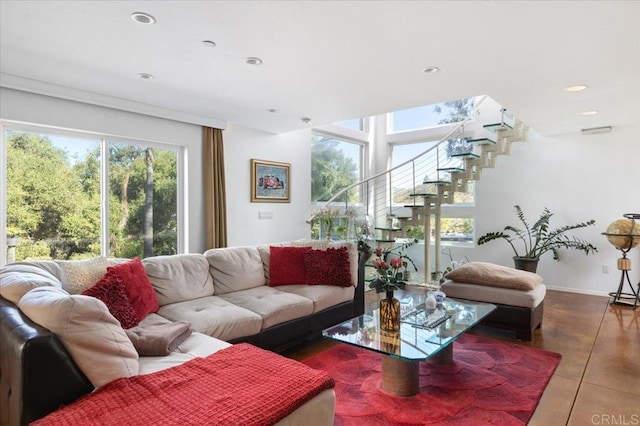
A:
(490, 383)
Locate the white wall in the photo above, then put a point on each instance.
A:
(240, 146)
(578, 178)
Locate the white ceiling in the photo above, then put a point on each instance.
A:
(330, 60)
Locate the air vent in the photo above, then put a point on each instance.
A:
(596, 130)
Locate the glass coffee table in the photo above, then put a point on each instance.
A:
(425, 335)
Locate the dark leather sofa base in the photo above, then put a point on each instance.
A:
(34, 367)
(524, 321)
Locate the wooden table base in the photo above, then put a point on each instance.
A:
(400, 377)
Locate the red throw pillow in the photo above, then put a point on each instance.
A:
(111, 290)
(286, 265)
(137, 287)
(328, 267)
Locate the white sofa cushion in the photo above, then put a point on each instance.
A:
(16, 280)
(93, 337)
(179, 277)
(215, 317)
(235, 269)
(197, 345)
(201, 345)
(273, 306)
(502, 296)
(48, 265)
(322, 296)
(79, 275)
(265, 257)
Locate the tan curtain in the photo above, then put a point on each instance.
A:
(214, 188)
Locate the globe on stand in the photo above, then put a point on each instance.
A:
(624, 234)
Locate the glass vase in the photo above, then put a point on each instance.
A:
(390, 313)
(351, 229)
(364, 229)
(326, 229)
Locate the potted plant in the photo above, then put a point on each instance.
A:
(539, 239)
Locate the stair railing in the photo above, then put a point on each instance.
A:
(388, 194)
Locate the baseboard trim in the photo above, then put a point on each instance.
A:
(578, 291)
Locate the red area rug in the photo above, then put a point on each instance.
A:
(490, 383)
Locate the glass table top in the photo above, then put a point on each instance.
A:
(423, 332)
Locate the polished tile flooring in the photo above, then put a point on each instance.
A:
(598, 379)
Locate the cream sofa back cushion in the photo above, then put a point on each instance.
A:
(235, 268)
(179, 277)
(18, 279)
(93, 337)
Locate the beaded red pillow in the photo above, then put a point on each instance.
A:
(111, 290)
(132, 277)
(328, 267)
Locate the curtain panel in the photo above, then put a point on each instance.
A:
(214, 188)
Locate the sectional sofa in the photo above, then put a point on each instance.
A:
(227, 295)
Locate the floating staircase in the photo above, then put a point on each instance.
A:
(413, 193)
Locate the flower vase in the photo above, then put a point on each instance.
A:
(351, 229)
(390, 313)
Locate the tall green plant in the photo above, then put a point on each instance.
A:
(539, 239)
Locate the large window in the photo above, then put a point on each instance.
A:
(355, 124)
(71, 196)
(431, 115)
(143, 201)
(335, 164)
(457, 231)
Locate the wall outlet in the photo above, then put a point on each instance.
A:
(605, 269)
(265, 215)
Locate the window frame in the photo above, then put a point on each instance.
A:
(104, 140)
(344, 134)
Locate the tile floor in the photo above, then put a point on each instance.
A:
(598, 379)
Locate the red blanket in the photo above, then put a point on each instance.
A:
(239, 385)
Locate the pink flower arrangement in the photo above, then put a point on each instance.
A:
(390, 276)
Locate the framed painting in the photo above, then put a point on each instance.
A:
(270, 181)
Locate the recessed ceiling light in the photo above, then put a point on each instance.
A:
(272, 110)
(305, 120)
(145, 76)
(593, 112)
(143, 18)
(208, 43)
(578, 88)
(430, 70)
(254, 61)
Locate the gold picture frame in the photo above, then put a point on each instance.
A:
(270, 181)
